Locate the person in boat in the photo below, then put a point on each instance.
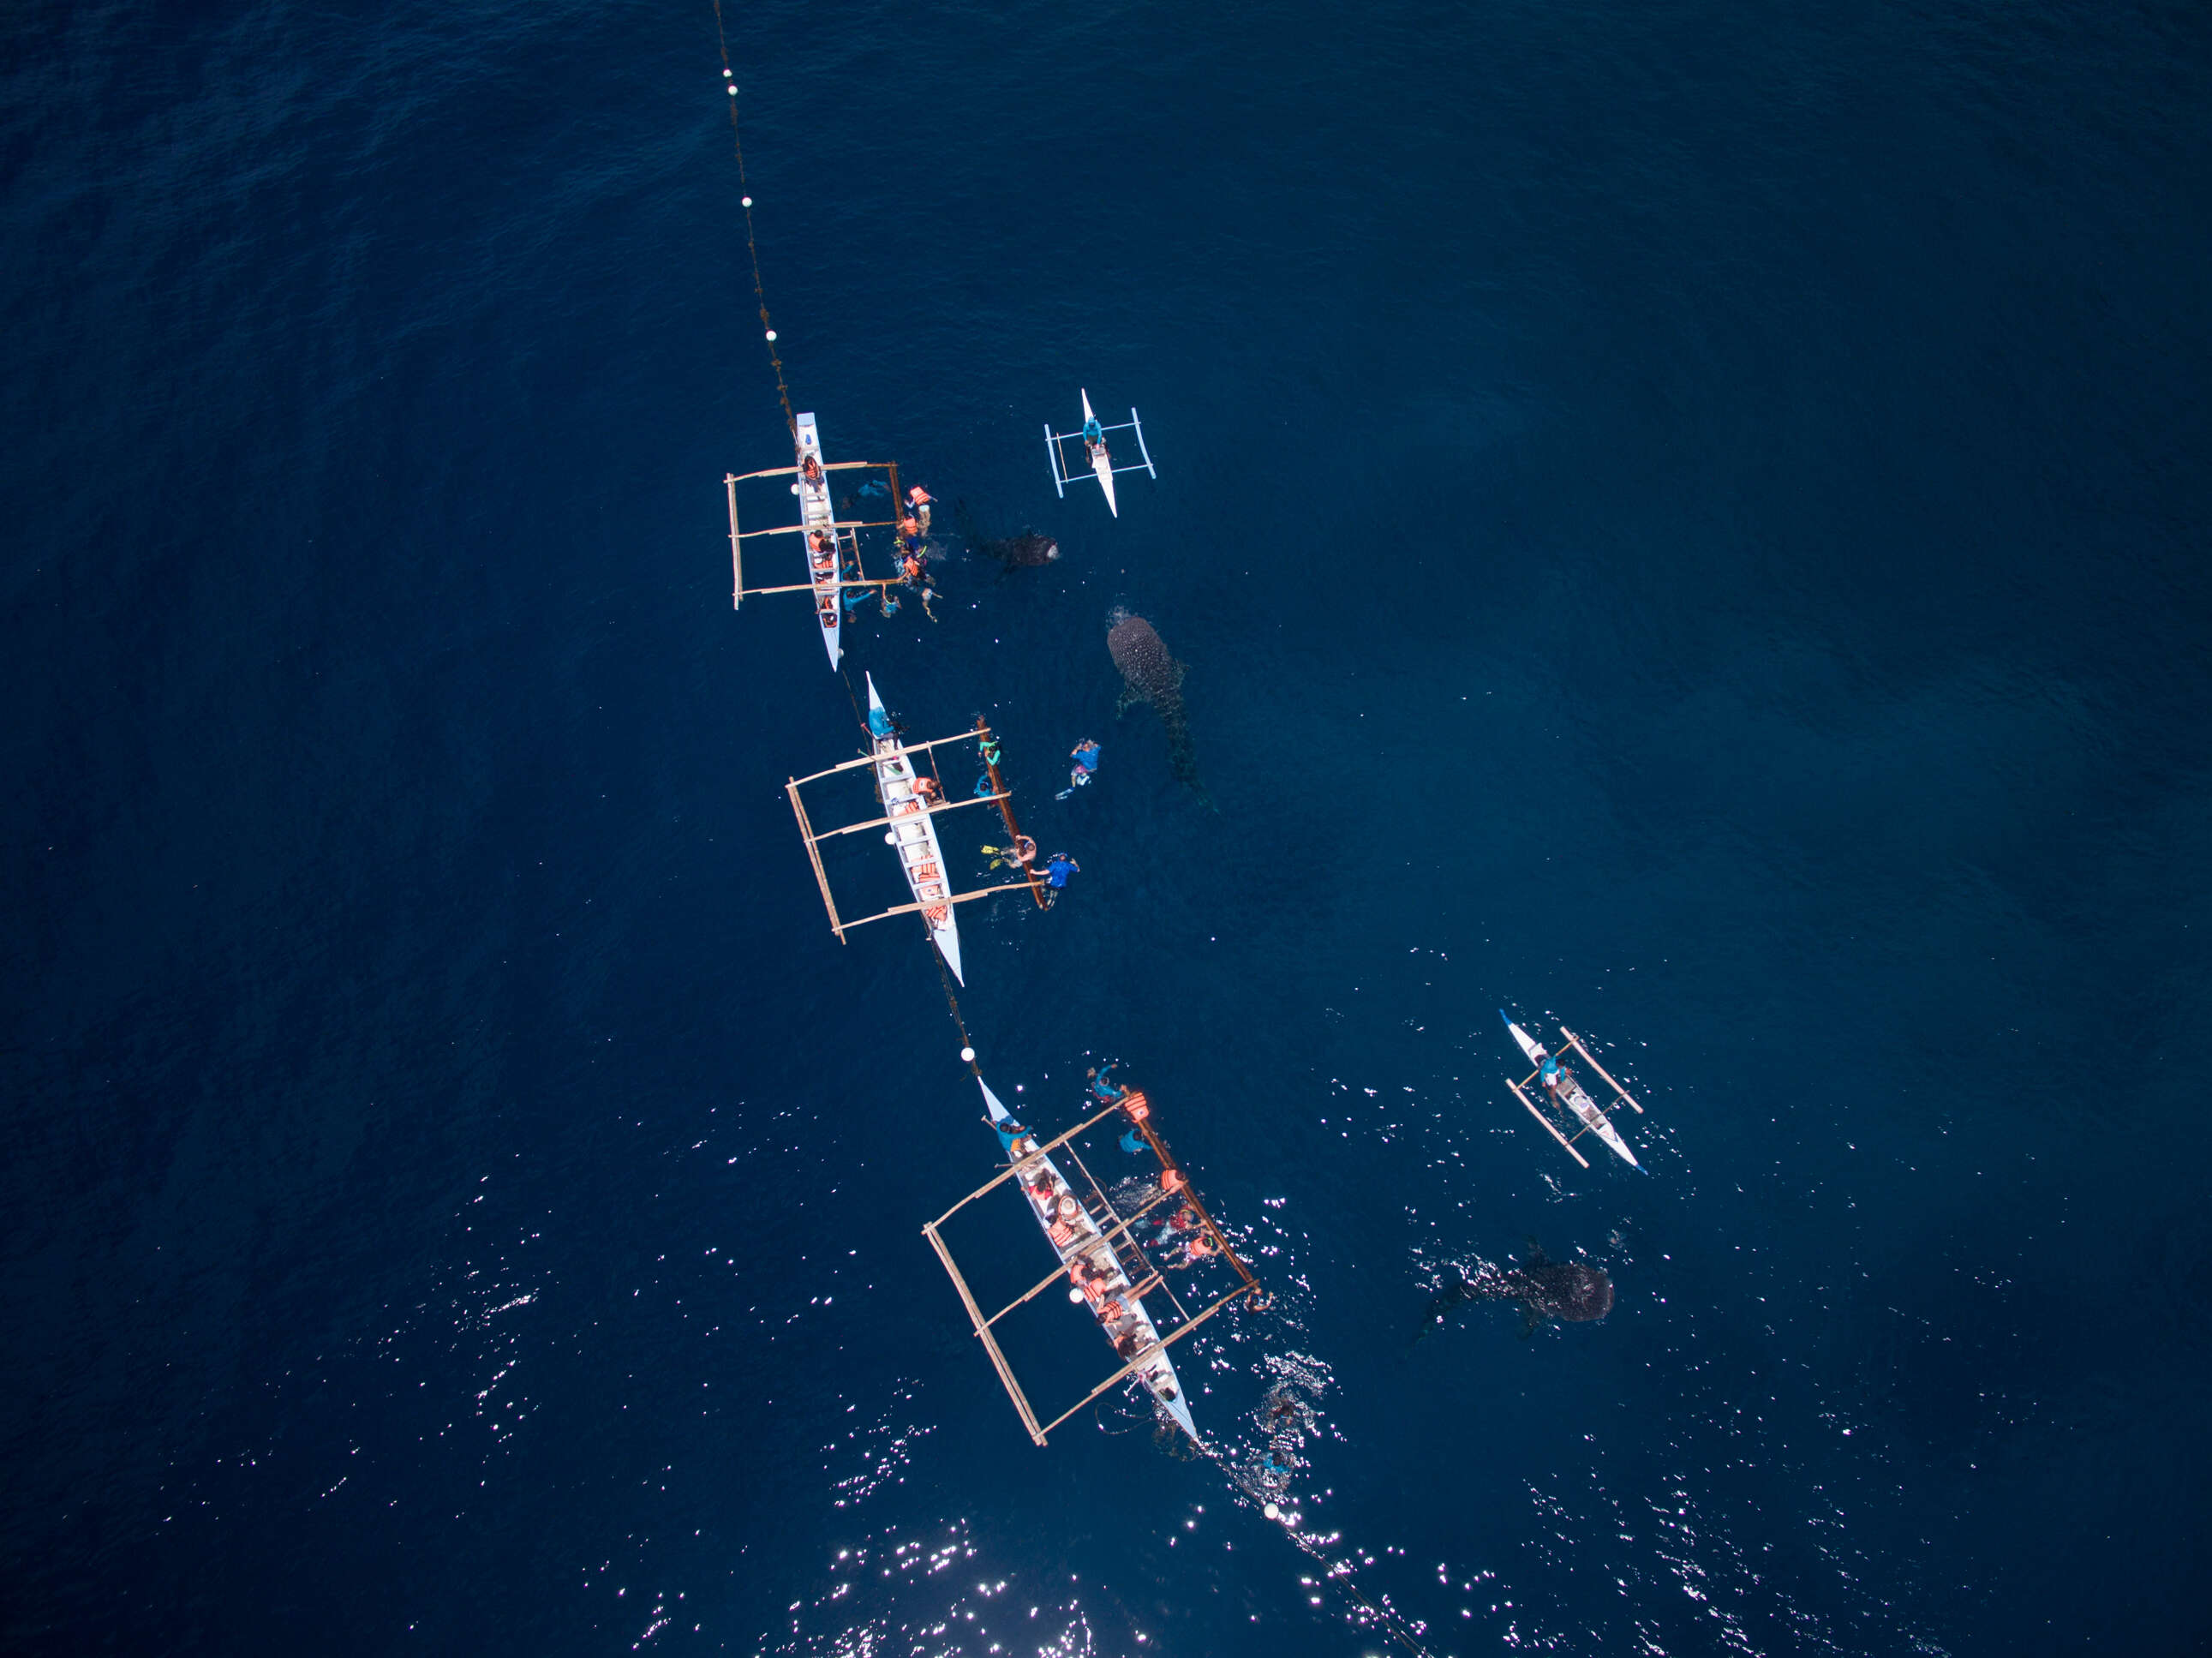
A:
(1086, 756)
(811, 470)
(917, 503)
(1094, 438)
(1558, 1081)
(818, 545)
(927, 791)
(1058, 868)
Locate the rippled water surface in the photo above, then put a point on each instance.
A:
(1687, 522)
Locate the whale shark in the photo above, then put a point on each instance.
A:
(1026, 551)
(1150, 675)
(1567, 1292)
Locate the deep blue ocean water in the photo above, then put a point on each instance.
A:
(1686, 520)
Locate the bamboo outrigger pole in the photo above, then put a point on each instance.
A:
(983, 1330)
(1576, 1043)
(1546, 1121)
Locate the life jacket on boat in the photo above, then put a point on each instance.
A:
(1133, 1102)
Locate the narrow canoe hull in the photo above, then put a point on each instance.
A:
(1085, 1241)
(1102, 464)
(914, 837)
(815, 512)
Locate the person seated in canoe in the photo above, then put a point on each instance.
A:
(1558, 1082)
(811, 470)
(818, 547)
(1094, 439)
(927, 791)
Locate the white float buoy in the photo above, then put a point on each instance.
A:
(733, 91)
(891, 837)
(771, 334)
(1076, 1295)
(728, 74)
(744, 201)
(967, 1056)
(1271, 1511)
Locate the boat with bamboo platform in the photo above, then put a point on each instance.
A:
(910, 804)
(1564, 1090)
(830, 546)
(1102, 1254)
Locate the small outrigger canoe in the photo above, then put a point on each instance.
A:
(1076, 1237)
(1570, 1093)
(816, 517)
(911, 833)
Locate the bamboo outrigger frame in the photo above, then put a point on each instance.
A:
(1000, 795)
(1144, 1276)
(850, 528)
(1521, 1093)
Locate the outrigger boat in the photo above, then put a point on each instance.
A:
(911, 833)
(1097, 457)
(1116, 1303)
(910, 804)
(1100, 1256)
(830, 546)
(1564, 1089)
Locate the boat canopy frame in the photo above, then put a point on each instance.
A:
(1522, 1090)
(1115, 1229)
(1000, 795)
(1061, 477)
(848, 529)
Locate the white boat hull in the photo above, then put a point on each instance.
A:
(815, 512)
(1085, 1241)
(1102, 463)
(914, 837)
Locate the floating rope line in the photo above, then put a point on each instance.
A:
(952, 1005)
(752, 246)
(1335, 1574)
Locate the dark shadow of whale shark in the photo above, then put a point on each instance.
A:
(1566, 1292)
(1150, 675)
(1026, 551)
